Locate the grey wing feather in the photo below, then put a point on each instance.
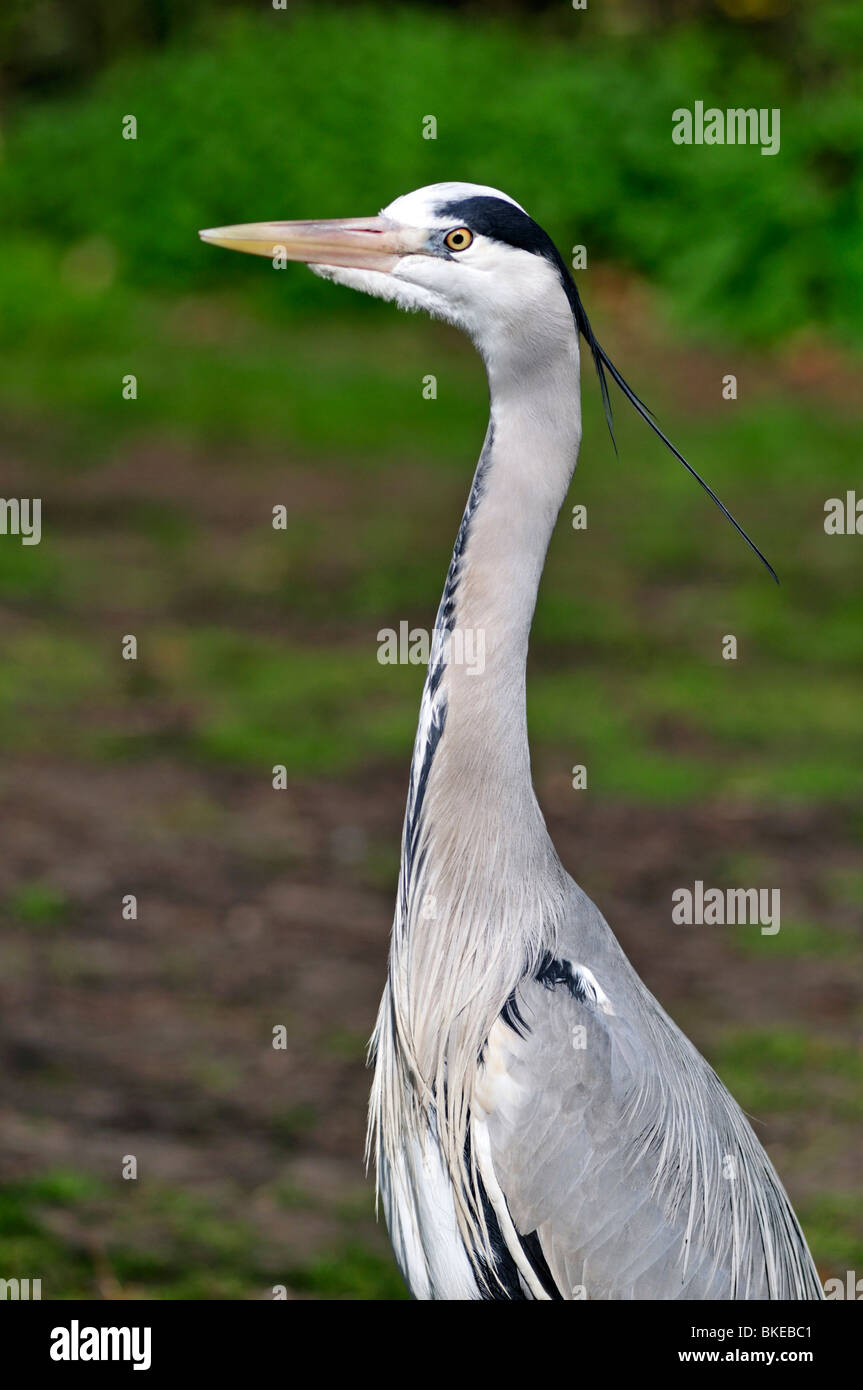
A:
(614, 1141)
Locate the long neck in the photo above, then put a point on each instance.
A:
(491, 588)
(481, 890)
(480, 884)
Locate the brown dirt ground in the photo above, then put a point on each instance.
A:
(259, 908)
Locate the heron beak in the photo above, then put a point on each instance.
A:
(361, 243)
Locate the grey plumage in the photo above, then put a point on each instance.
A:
(624, 1159)
(626, 1154)
(541, 1127)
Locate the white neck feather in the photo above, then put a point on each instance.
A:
(481, 889)
(521, 482)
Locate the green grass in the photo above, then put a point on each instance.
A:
(834, 1226)
(847, 884)
(806, 940)
(167, 1243)
(780, 1071)
(209, 370)
(352, 1272)
(246, 701)
(626, 671)
(37, 904)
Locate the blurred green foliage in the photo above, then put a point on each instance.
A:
(318, 112)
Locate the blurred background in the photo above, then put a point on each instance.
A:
(259, 908)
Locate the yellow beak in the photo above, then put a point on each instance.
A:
(362, 243)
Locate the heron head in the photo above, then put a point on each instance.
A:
(469, 254)
(463, 252)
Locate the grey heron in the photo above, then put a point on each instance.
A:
(541, 1128)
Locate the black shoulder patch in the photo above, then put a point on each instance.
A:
(550, 973)
(553, 972)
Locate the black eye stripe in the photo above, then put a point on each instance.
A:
(502, 221)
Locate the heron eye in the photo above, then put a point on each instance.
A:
(459, 239)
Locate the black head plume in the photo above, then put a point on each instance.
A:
(603, 363)
(504, 221)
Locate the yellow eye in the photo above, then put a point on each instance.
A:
(459, 239)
